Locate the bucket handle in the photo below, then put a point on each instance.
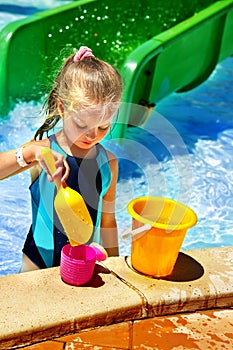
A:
(137, 232)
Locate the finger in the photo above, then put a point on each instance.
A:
(44, 167)
(50, 178)
(65, 175)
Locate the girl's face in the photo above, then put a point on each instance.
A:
(87, 127)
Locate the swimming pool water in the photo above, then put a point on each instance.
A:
(12, 11)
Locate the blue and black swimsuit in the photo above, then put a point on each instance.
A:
(46, 237)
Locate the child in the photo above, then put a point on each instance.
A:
(85, 96)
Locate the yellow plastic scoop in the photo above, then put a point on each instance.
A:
(70, 207)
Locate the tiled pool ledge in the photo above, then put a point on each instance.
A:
(37, 306)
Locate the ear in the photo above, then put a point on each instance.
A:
(60, 108)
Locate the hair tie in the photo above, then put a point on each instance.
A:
(83, 53)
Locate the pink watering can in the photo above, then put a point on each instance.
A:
(78, 263)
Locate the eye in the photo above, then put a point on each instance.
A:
(81, 126)
(104, 127)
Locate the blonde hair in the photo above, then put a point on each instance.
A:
(79, 84)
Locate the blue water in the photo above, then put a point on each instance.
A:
(12, 11)
(184, 152)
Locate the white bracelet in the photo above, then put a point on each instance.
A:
(19, 157)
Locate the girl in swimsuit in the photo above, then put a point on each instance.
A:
(85, 97)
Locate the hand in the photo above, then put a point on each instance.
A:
(62, 167)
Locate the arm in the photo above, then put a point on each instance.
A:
(109, 234)
(32, 156)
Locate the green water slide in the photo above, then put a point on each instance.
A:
(159, 46)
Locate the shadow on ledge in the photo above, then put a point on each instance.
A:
(96, 280)
(186, 269)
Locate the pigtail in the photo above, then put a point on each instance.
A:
(49, 108)
(49, 124)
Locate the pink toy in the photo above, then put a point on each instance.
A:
(101, 253)
(77, 263)
(82, 53)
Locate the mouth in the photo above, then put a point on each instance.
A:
(87, 143)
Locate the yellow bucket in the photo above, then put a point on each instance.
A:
(155, 252)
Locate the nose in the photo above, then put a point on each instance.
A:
(92, 134)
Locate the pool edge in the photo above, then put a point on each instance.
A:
(37, 306)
